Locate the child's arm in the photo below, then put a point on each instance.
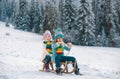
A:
(68, 46)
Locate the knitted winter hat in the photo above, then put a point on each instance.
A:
(58, 33)
(47, 32)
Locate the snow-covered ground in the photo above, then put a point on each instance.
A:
(20, 54)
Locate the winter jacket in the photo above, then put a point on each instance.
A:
(47, 49)
(59, 52)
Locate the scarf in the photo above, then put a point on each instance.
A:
(48, 46)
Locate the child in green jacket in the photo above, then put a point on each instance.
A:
(58, 51)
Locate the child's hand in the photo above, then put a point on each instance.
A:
(69, 44)
(60, 43)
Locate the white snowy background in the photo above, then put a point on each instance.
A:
(20, 54)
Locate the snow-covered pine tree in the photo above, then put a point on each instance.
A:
(68, 16)
(10, 11)
(103, 18)
(0, 8)
(15, 12)
(56, 21)
(50, 17)
(109, 20)
(102, 40)
(97, 5)
(61, 11)
(42, 19)
(99, 40)
(116, 14)
(22, 19)
(85, 25)
(6, 10)
(98, 13)
(3, 6)
(32, 14)
(35, 16)
(114, 37)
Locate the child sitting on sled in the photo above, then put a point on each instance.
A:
(58, 49)
(47, 51)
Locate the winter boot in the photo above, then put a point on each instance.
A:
(58, 71)
(47, 68)
(77, 72)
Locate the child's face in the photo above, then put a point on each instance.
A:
(47, 38)
(59, 39)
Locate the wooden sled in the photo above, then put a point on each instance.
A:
(65, 68)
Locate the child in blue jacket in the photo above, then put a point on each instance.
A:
(58, 51)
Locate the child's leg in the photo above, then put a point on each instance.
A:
(72, 59)
(51, 64)
(69, 58)
(43, 68)
(58, 60)
(47, 61)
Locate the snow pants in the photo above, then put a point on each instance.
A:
(59, 59)
(47, 59)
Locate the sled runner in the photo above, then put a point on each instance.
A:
(66, 69)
